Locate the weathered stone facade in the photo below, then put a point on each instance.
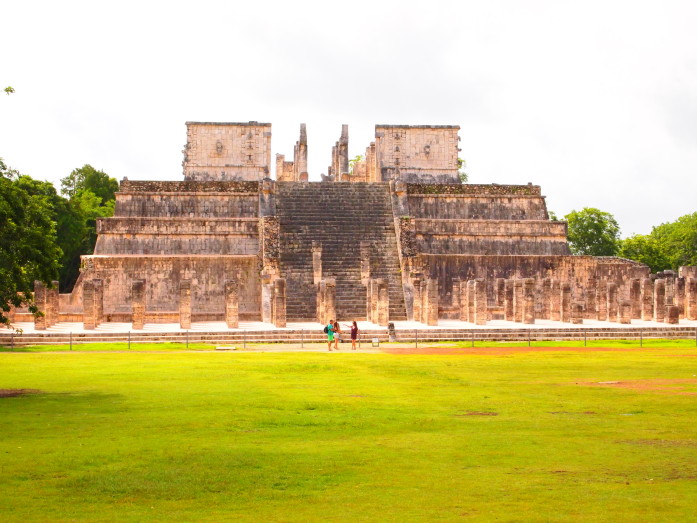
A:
(397, 238)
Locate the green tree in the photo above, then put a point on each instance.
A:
(28, 248)
(91, 179)
(593, 232)
(645, 249)
(353, 161)
(678, 240)
(9, 90)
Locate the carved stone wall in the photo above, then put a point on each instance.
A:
(227, 151)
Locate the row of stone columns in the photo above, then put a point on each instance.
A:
(378, 301)
(46, 300)
(425, 306)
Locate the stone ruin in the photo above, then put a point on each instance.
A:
(397, 237)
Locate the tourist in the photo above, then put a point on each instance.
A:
(354, 335)
(330, 333)
(337, 335)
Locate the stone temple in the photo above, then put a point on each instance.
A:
(395, 236)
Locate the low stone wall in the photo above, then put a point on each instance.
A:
(187, 204)
(472, 189)
(163, 275)
(130, 186)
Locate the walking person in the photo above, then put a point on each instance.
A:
(329, 329)
(354, 335)
(337, 335)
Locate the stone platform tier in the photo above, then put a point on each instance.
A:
(337, 216)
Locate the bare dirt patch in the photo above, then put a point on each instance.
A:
(12, 393)
(495, 351)
(678, 386)
(477, 413)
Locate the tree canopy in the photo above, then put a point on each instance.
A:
(593, 232)
(28, 246)
(90, 179)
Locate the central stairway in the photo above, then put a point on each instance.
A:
(339, 216)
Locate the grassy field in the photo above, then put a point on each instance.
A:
(205, 436)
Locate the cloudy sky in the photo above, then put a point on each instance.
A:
(596, 101)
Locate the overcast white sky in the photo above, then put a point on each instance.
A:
(596, 101)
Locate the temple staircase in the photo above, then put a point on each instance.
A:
(339, 216)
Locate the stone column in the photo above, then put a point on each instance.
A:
(529, 301)
(672, 314)
(670, 288)
(232, 304)
(508, 301)
(98, 301)
(322, 303)
(591, 302)
(546, 295)
(635, 297)
(500, 292)
(565, 305)
(680, 295)
(383, 299)
(330, 299)
(40, 302)
(691, 298)
(480, 302)
(613, 306)
(626, 310)
(464, 301)
(432, 310)
(577, 313)
(317, 261)
(659, 300)
(89, 313)
(279, 308)
(646, 299)
(601, 300)
(52, 301)
(138, 304)
(555, 302)
(417, 300)
(518, 301)
(266, 297)
(455, 295)
(185, 304)
(470, 302)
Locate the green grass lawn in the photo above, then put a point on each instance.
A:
(186, 436)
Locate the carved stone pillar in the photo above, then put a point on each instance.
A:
(279, 308)
(529, 301)
(185, 304)
(691, 298)
(98, 302)
(508, 301)
(480, 302)
(518, 301)
(40, 302)
(464, 301)
(52, 304)
(500, 292)
(266, 297)
(471, 307)
(565, 305)
(555, 301)
(138, 304)
(322, 303)
(330, 299)
(546, 298)
(89, 312)
(432, 310)
(601, 300)
(626, 309)
(672, 314)
(646, 299)
(455, 295)
(383, 303)
(232, 304)
(613, 305)
(317, 261)
(417, 300)
(635, 297)
(591, 302)
(577, 313)
(680, 295)
(659, 300)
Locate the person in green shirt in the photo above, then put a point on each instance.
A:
(330, 333)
